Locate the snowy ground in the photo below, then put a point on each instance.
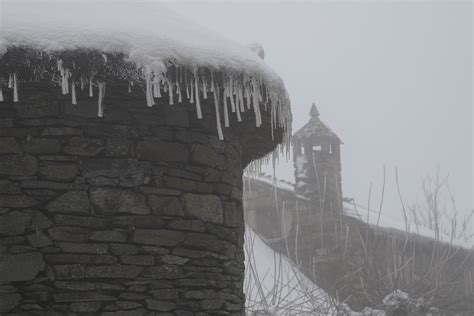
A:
(274, 284)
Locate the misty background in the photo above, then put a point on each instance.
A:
(392, 79)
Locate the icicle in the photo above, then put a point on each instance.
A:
(148, 90)
(239, 119)
(82, 83)
(256, 105)
(156, 88)
(204, 88)
(73, 93)
(187, 91)
(198, 102)
(15, 88)
(10, 82)
(226, 110)
(1, 95)
(240, 95)
(100, 109)
(231, 94)
(247, 96)
(191, 100)
(91, 91)
(218, 118)
(129, 88)
(178, 92)
(170, 90)
(212, 82)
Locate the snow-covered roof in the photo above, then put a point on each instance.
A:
(315, 127)
(387, 220)
(132, 41)
(275, 285)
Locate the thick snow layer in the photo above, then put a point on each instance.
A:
(151, 37)
(274, 284)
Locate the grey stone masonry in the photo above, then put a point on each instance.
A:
(136, 213)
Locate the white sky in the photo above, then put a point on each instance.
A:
(394, 80)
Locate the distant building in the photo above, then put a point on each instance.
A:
(354, 260)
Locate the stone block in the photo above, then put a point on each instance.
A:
(68, 258)
(85, 307)
(58, 171)
(162, 152)
(42, 146)
(20, 267)
(18, 165)
(15, 222)
(168, 206)
(69, 271)
(138, 221)
(91, 248)
(120, 172)
(9, 145)
(109, 236)
(82, 297)
(117, 147)
(233, 216)
(17, 201)
(82, 146)
(74, 202)
(82, 221)
(205, 155)
(158, 237)
(122, 249)
(110, 201)
(61, 131)
(165, 294)
(9, 302)
(9, 187)
(163, 272)
(205, 207)
(162, 306)
(113, 271)
(138, 260)
(87, 286)
(69, 233)
(39, 240)
(37, 105)
(186, 225)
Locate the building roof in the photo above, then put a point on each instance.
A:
(139, 42)
(315, 127)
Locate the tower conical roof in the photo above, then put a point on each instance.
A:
(315, 127)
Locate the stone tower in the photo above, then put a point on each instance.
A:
(317, 161)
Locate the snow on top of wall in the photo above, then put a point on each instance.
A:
(153, 38)
(274, 284)
(387, 220)
(390, 221)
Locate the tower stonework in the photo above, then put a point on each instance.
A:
(317, 162)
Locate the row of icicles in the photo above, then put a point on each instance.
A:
(237, 95)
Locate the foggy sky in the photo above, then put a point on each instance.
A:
(393, 80)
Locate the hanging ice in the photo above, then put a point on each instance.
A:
(91, 91)
(15, 88)
(10, 81)
(198, 102)
(170, 90)
(218, 117)
(100, 109)
(226, 110)
(1, 95)
(73, 92)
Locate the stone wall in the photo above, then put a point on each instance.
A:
(136, 213)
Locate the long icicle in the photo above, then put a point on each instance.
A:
(191, 99)
(198, 102)
(73, 93)
(148, 93)
(231, 94)
(256, 105)
(226, 110)
(170, 92)
(100, 109)
(91, 91)
(15, 88)
(204, 87)
(82, 83)
(1, 95)
(218, 118)
(129, 87)
(10, 81)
